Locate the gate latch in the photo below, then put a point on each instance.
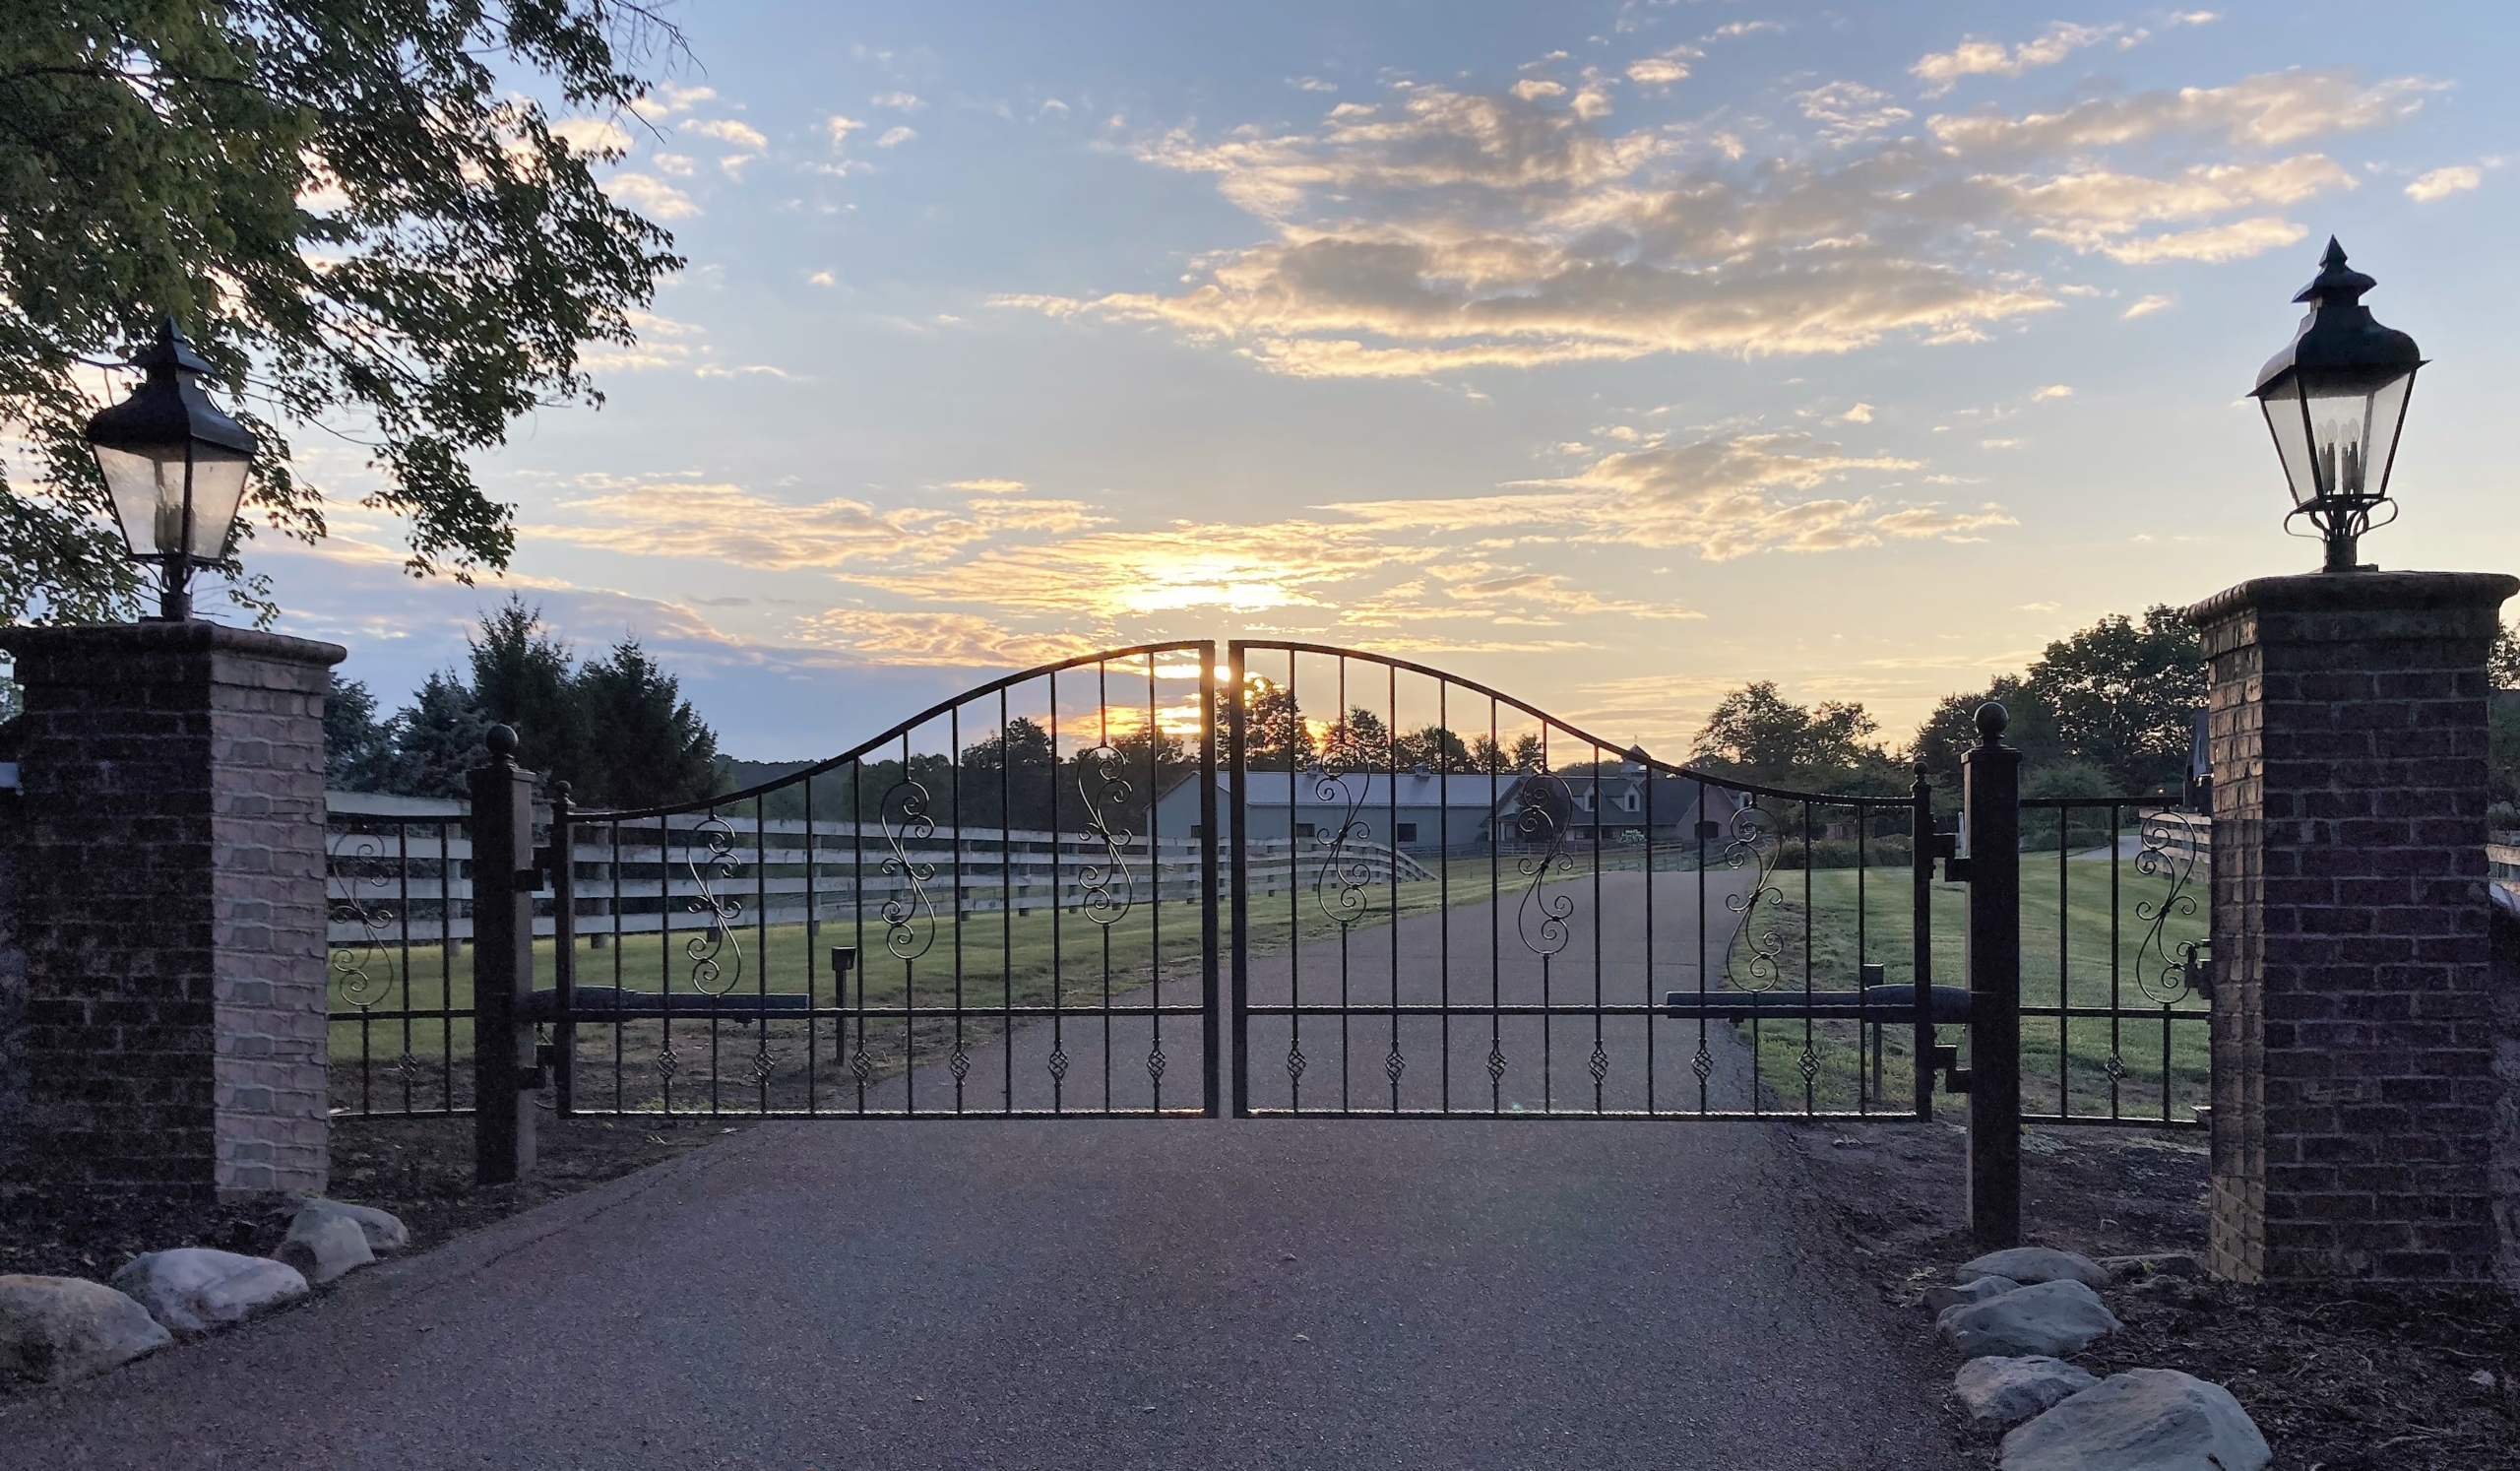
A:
(2196, 967)
(1955, 869)
(1945, 1060)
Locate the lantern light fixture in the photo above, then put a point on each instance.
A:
(174, 467)
(2335, 400)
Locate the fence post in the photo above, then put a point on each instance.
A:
(564, 950)
(1921, 837)
(1990, 816)
(503, 887)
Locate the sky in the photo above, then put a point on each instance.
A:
(1611, 353)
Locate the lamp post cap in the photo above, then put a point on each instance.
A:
(171, 349)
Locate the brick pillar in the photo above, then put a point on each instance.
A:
(2353, 1028)
(169, 857)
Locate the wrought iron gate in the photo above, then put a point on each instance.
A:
(1379, 888)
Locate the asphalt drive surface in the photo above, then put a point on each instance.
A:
(1080, 1292)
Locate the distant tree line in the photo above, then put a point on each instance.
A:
(2105, 711)
(615, 727)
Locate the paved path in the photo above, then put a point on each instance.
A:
(1081, 1294)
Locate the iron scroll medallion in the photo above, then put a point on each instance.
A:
(1547, 811)
(362, 969)
(909, 915)
(1754, 844)
(716, 953)
(2169, 843)
(1107, 889)
(1346, 878)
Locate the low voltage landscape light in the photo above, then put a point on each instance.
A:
(2335, 399)
(174, 467)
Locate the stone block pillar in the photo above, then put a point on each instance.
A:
(168, 850)
(2353, 1027)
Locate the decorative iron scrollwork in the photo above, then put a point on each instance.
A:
(1343, 886)
(1546, 805)
(716, 953)
(1754, 958)
(2167, 845)
(362, 969)
(909, 917)
(1107, 889)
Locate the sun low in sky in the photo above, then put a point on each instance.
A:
(1611, 353)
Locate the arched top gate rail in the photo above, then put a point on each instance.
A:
(1578, 927)
(984, 909)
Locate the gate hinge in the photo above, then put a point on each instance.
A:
(1946, 1061)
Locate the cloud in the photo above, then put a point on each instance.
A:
(2145, 306)
(991, 487)
(728, 131)
(902, 101)
(821, 279)
(593, 137)
(651, 196)
(1724, 497)
(2441, 183)
(1860, 413)
(1998, 444)
(1311, 84)
(668, 99)
(673, 163)
(729, 524)
(1658, 71)
(938, 638)
(840, 127)
(2053, 391)
(1442, 230)
(2193, 17)
(896, 137)
(1942, 70)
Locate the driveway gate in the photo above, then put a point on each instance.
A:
(1311, 881)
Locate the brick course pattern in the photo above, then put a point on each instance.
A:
(2353, 1028)
(168, 850)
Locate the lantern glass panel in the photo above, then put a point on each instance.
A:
(218, 487)
(146, 483)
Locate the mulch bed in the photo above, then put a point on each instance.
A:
(421, 1170)
(2350, 1378)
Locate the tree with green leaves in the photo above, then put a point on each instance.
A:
(1757, 733)
(360, 214)
(2105, 711)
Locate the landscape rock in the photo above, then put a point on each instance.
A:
(1939, 1299)
(2153, 1265)
(324, 1246)
(56, 1330)
(2050, 1318)
(385, 1232)
(194, 1290)
(2005, 1390)
(2032, 1265)
(2142, 1419)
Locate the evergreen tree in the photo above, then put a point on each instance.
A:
(524, 678)
(358, 748)
(437, 740)
(644, 746)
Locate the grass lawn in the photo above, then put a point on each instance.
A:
(2081, 946)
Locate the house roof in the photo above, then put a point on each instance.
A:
(1336, 790)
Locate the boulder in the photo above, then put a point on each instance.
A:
(2050, 1318)
(385, 1232)
(194, 1290)
(2031, 1265)
(323, 1244)
(2142, 1419)
(1939, 1299)
(56, 1329)
(2154, 1265)
(2005, 1390)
